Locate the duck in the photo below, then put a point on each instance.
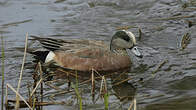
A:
(84, 55)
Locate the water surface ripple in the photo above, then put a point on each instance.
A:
(163, 23)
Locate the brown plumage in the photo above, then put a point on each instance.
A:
(89, 59)
(85, 55)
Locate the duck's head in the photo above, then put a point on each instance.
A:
(124, 40)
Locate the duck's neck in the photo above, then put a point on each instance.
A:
(133, 59)
(120, 52)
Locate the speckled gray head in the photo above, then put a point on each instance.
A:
(125, 40)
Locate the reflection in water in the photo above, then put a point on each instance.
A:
(124, 91)
(61, 84)
(177, 104)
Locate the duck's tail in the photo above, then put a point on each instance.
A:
(49, 43)
(45, 54)
(40, 55)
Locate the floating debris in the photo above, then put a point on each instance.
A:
(176, 17)
(185, 41)
(160, 65)
(16, 23)
(140, 34)
(91, 4)
(59, 1)
(189, 3)
(190, 23)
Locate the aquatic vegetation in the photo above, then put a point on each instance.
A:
(185, 41)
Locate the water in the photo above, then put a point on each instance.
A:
(172, 87)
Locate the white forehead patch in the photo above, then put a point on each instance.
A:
(131, 35)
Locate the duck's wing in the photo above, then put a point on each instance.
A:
(71, 45)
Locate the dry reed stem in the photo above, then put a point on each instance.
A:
(39, 103)
(96, 72)
(69, 73)
(41, 91)
(93, 85)
(117, 78)
(99, 77)
(121, 81)
(36, 87)
(6, 97)
(135, 103)
(52, 81)
(21, 72)
(29, 92)
(52, 86)
(60, 92)
(131, 105)
(8, 85)
(34, 101)
(103, 86)
(2, 70)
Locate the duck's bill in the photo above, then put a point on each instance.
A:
(135, 51)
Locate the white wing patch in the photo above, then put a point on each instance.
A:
(50, 57)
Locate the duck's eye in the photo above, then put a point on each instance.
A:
(126, 38)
